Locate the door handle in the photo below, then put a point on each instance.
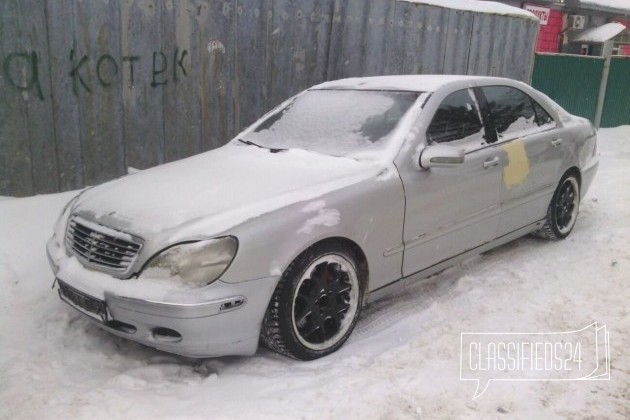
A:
(556, 142)
(489, 163)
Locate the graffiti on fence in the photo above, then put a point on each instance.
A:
(21, 70)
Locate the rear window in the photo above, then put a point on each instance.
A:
(512, 110)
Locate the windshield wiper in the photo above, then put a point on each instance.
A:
(251, 143)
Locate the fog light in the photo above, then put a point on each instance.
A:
(166, 335)
(121, 326)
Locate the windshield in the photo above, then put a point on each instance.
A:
(335, 122)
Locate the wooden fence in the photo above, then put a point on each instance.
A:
(89, 88)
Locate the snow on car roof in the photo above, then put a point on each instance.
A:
(412, 83)
(490, 7)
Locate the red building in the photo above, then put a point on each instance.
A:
(560, 20)
(552, 23)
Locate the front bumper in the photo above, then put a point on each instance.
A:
(217, 320)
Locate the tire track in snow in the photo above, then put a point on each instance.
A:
(419, 296)
(445, 285)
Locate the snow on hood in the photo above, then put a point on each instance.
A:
(220, 188)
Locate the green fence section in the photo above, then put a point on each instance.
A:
(571, 80)
(617, 104)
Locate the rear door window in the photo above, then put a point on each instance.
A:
(512, 111)
(457, 119)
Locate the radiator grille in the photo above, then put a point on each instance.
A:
(101, 247)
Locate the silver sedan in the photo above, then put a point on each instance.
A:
(341, 195)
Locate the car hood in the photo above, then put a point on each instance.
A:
(217, 190)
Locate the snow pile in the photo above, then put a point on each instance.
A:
(490, 7)
(601, 33)
(401, 362)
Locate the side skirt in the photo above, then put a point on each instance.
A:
(422, 274)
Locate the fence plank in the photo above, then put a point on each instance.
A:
(311, 42)
(298, 34)
(460, 24)
(485, 45)
(96, 83)
(179, 83)
(250, 66)
(15, 91)
(420, 34)
(38, 108)
(617, 103)
(217, 49)
(141, 35)
(571, 80)
(523, 51)
(360, 32)
(69, 149)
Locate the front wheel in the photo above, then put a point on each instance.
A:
(316, 303)
(563, 209)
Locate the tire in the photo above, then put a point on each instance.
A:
(563, 209)
(316, 304)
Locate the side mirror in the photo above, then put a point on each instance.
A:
(441, 155)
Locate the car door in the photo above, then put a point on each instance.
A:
(532, 150)
(450, 210)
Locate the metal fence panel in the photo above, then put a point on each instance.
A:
(419, 39)
(88, 88)
(492, 50)
(617, 102)
(571, 80)
(519, 64)
(459, 31)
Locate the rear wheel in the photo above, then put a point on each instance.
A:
(563, 209)
(316, 303)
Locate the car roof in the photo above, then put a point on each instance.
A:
(411, 83)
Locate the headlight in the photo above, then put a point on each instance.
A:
(195, 263)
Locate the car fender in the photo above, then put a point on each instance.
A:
(369, 213)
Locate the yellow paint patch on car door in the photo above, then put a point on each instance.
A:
(517, 167)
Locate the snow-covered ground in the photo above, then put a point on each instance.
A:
(401, 362)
